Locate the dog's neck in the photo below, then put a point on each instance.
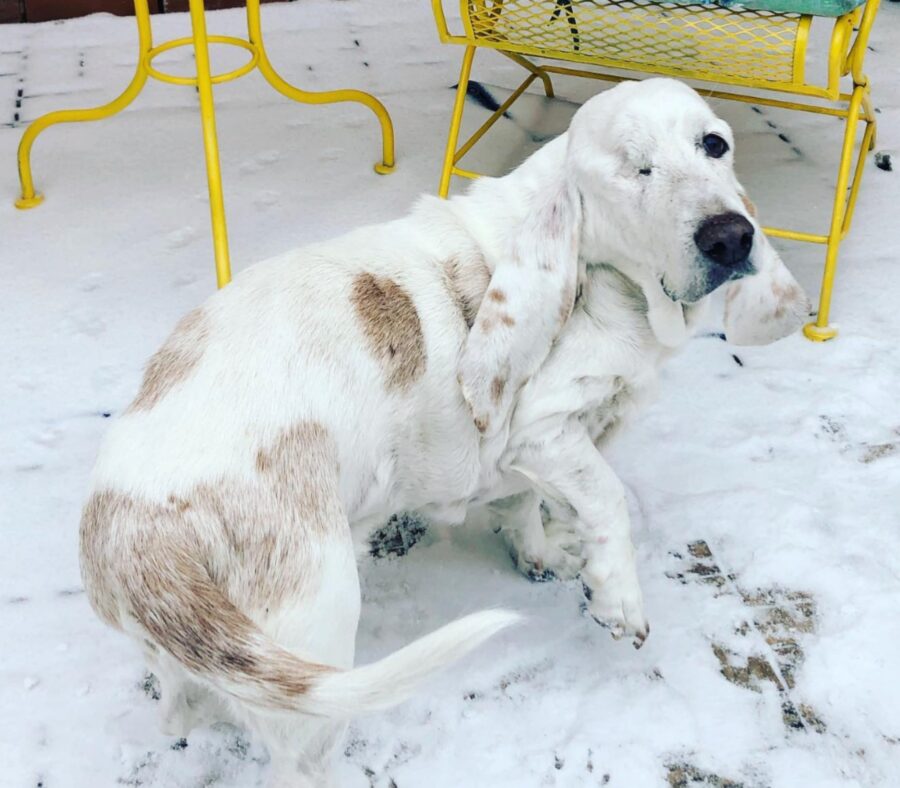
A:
(494, 210)
(667, 318)
(607, 288)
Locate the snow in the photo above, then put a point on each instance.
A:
(765, 496)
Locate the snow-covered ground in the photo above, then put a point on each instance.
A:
(765, 482)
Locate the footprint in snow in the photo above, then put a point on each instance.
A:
(779, 616)
(266, 199)
(686, 775)
(873, 452)
(49, 437)
(184, 278)
(181, 237)
(85, 322)
(90, 283)
(260, 161)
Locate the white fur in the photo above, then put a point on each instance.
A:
(285, 347)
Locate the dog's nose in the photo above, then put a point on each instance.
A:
(725, 239)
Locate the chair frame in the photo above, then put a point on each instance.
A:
(203, 81)
(846, 54)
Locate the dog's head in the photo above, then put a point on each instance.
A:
(647, 184)
(654, 167)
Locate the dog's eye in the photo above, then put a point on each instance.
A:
(715, 146)
(645, 171)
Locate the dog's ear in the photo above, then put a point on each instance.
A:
(766, 306)
(529, 299)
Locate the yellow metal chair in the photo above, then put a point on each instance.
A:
(203, 81)
(759, 47)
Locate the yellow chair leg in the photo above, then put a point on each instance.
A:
(325, 97)
(864, 148)
(842, 213)
(29, 197)
(870, 119)
(536, 70)
(210, 142)
(456, 120)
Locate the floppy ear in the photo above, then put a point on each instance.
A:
(766, 306)
(529, 299)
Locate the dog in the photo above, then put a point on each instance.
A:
(468, 358)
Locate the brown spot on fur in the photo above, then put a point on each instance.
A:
(303, 461)
(748, 204)
(784, 296)
(391, 324)
(174, 361)
(558, 223)
(180, 504)
(790, 292)
(554, 223)
(507, 319)
(482, 423)
(466, 279)
(177, 603)
(497, 295)
(497, 388)
(192, 569)
(97, 560)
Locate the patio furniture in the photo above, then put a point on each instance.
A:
(760, 47)
(203, 81)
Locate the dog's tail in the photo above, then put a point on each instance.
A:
(189, 617)
(391, 680)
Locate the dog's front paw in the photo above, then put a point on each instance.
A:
(548, 561)
(618, 606)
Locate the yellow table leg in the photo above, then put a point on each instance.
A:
(29, 197)
(210, 142)
(254, 27)
(204, 82)
(842, 212)
(456, 120)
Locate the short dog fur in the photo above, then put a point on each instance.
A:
(470, 357)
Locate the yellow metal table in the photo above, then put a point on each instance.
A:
(203, 81)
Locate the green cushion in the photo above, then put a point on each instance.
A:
(812, 7)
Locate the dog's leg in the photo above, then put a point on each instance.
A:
(539, 555)
(320, 624)
(301, 749)
(176, 717)
(571, 468)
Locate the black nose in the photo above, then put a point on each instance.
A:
(725, 239)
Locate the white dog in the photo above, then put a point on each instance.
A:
(474, 352)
